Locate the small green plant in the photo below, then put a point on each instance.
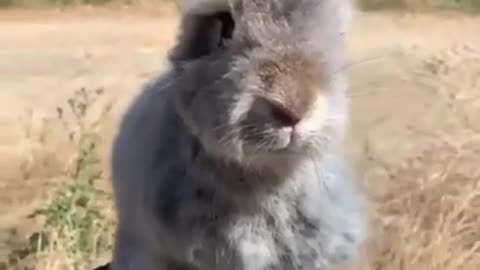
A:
(76, 220)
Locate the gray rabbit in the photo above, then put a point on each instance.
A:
(231, 160)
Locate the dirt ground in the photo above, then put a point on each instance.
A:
(398, 92)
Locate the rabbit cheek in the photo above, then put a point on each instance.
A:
(240, 109)
(314, 120)
(228, 146)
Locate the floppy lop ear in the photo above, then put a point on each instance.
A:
(203, 29)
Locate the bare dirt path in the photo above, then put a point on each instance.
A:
(45, 58)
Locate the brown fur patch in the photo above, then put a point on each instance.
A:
(292, 79)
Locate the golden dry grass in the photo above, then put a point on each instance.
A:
(428, 216)
(425, 191)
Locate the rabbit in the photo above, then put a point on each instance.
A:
(232, 159)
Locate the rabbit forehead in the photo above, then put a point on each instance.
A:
(264, 21)
(294, 62)
(292, 78)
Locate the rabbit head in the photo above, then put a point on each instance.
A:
(274, 91)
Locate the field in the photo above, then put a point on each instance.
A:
(67, 76)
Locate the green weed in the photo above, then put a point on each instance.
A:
(78, 220)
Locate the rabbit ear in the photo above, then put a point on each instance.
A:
(203, 7)
(200, 35)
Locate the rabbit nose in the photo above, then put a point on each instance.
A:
(284, 116)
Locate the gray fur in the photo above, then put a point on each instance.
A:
(201, 35)
(206, 174)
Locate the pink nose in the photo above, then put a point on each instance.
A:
(283, 115)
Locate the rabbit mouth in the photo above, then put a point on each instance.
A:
(283, 140)
(275, 140)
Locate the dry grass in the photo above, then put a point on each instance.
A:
(427, 215)
(426, 211)
(77, 220)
